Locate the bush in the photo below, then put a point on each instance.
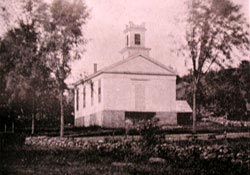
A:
(216, 159)
(150, 132)
(199, 158)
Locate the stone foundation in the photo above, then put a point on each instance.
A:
(79, 121)
(116, 119)
(113, 119)
(108, 119)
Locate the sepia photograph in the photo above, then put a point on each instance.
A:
(125, 87)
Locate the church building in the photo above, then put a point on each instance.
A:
(134, 88)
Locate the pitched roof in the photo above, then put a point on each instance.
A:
(183, 107)
(111, 68)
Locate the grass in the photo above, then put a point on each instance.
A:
(26, 160)
(72, 162)
(202, 127)
(29, 161)
(18, 159)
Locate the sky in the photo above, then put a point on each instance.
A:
(108, 19)
(107, 22)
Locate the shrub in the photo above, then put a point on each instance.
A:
(150, 132)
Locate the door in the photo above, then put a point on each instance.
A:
(139, 97)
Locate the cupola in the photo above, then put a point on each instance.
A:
(135, 40)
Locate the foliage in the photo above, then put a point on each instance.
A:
(63, 35)
(222, 93)
(24, 73)
(227, 96)
(22, 68)
(215, 30)
(181, 158)
(149, 130)
(206, 157)
(27, 85)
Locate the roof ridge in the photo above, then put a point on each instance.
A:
(103, 69)
(160, 64)
(122, 62)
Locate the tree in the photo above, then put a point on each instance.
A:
(223, 94)
(63, 36)
(243, 72)
(25, 74)
(215, 30)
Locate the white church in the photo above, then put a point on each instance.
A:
(134, 88)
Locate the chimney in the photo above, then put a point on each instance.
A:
(95, 67)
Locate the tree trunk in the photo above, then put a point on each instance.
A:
(33, 117)
(13, 127)
(194, 107)
(62, 114)
(33, 124)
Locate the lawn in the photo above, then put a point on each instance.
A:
(217, 157)
(202, 127)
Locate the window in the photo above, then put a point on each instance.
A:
(92, 92)
(84, 97)
(99, 92)
(127, 41)
(77, 99)
(137, 39)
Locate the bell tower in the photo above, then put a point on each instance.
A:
(135, 40)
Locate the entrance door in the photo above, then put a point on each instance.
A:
(139, 97)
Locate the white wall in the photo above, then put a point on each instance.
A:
(89, 109)
(119, 92)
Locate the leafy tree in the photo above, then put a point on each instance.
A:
(244, 78)
(63, 36)
(224, 92)
(27, 88)
(215, 29)
(25, 73)
(224, 95)
(26, 77)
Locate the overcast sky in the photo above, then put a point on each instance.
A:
(109, 17)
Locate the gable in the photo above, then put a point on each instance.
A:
(136, 64)
(140, 64)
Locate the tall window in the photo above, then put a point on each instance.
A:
(99, 91)
(84, 97)
(127, 41)
(137, 39)
(77, 99)
(92, 92)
